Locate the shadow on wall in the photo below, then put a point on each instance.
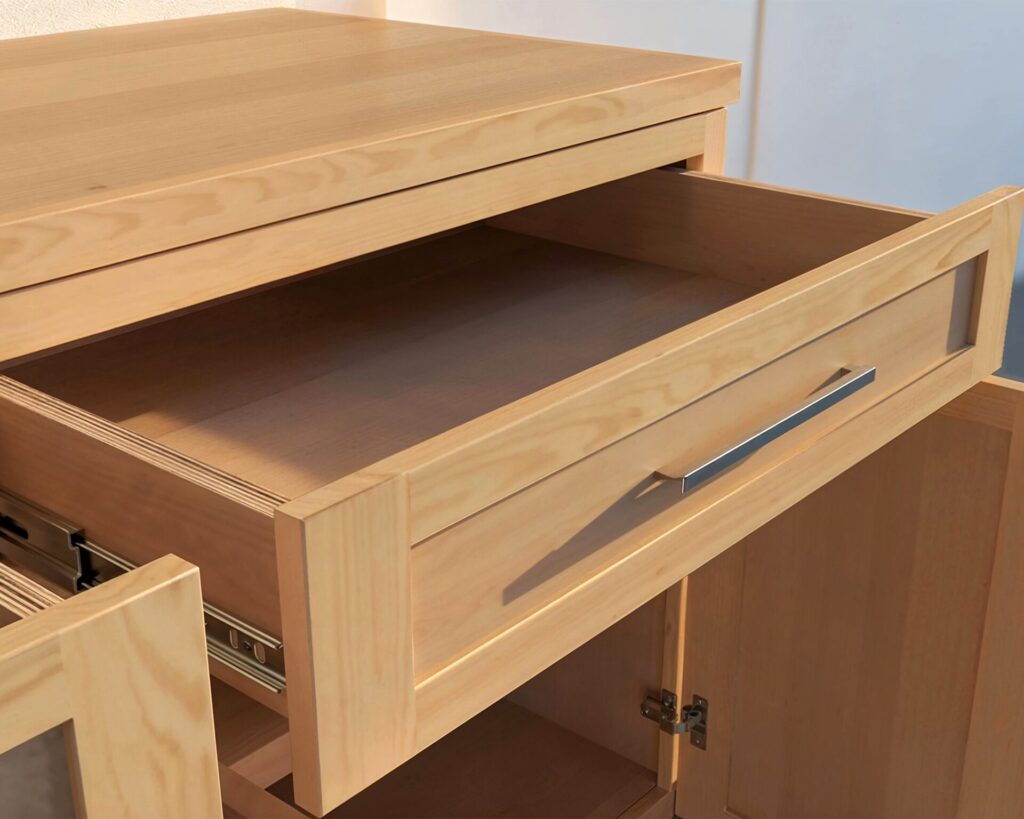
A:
(1013, 357)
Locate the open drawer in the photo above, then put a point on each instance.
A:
(434, 472)
(105, 705)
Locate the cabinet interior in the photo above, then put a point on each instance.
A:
(568, 743)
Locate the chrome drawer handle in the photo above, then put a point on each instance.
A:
(815, 404)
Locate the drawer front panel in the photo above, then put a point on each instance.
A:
(483, 575)
(552, 429)
(419, 590)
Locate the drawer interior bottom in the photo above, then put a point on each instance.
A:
(292, 387)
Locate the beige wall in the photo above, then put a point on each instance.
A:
(24, 18)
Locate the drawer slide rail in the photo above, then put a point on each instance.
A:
(61, 552)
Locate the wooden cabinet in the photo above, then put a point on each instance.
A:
(446, 358)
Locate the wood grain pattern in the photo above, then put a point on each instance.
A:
(22, 595)
(596, 691)
(33, 690)
(56, 313)
(344, 578)
(709, 626)
(477, 578)
(874, 615)
(712, 158)
(251, 739)
(994, 756)
(523, 442)
(222, 123)
(379, 356)
(888, 591)
(124, 667)
(776, 480)
(140, 499)
(520, 443)
(722, 227)
(993, 298)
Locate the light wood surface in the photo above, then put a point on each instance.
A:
(507, 762)
(73, 308)
(344, 578)
(244, 799)
(142, 500)
(378, 357)
(446, 698)
(709, 626)
(712, 158)
(476, 579)
(729, 228)
(992, 300)
(553, 428)
(992, 402)
(518, 444)
(123, 668)
(859, 616)
(21, 595)
(220, 123)
(596, 691)
(252, 739)
(992, 784)
(439, 491)
(656, 804)
(672, 654)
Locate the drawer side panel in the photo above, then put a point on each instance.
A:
(141, 501)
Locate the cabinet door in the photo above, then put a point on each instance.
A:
(121, 671)
(861, 652)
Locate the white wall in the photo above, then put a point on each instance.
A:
(918, 104)
(25, 18)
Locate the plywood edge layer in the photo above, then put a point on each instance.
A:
(140, 501)
(241, 492)
(23, 596)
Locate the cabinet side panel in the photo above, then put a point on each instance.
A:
(992, 781)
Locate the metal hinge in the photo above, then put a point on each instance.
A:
(692, 720)
(60, 551)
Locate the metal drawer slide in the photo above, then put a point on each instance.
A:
(61, 552)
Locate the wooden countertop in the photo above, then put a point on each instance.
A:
(119, 142)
